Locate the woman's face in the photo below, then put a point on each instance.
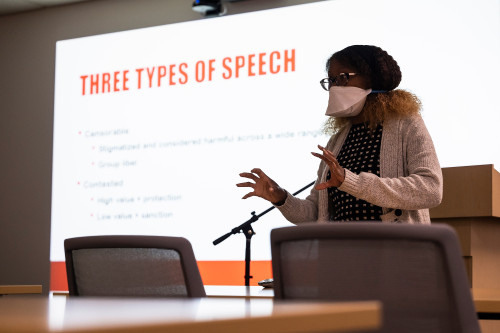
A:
(360, 81)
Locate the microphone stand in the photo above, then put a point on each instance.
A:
(247, 230)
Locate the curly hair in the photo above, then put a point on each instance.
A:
(384, 74)
(379, 107)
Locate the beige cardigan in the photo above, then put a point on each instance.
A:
(410, 179)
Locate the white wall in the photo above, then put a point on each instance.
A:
(27, 59)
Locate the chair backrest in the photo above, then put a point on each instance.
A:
(417, 271)
(132, 266)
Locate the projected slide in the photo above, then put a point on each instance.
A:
(152, 126)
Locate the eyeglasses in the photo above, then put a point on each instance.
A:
(339, 80)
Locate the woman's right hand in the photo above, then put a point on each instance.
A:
(263, 187)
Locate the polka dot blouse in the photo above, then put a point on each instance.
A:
(359, 153)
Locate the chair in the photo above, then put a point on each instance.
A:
(132, 266)
(416, 271)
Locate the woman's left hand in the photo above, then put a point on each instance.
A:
(337, 172)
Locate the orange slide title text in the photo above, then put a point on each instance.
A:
(258, 64)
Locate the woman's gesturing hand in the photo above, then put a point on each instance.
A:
(337, 172)
(263, 187)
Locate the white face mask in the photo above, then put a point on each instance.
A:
(346, 101)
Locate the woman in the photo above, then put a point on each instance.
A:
(380, 163)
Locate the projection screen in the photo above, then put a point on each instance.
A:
(152, 126)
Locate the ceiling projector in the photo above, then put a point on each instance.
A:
(207, 7)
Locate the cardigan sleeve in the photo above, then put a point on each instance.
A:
(298, 210)
(422, 185)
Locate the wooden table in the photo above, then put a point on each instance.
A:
(487, 303)
(209, 315)
(485, 300)
(239, 291)
(20, 289)
(221, 291)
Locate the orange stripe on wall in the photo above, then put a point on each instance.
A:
(58, 279)
(232, 273)
(217, 273)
